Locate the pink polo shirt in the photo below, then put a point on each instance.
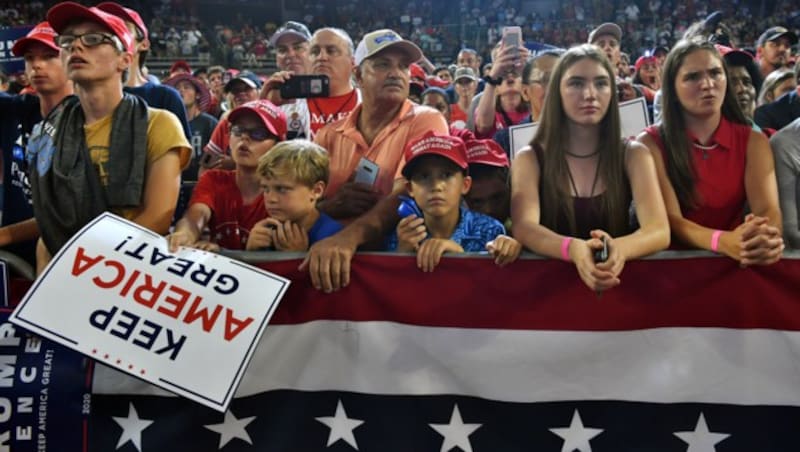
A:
(346, 146)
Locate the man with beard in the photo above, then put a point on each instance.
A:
(775, 49)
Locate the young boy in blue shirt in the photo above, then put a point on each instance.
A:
(294, 175)
(437, 178)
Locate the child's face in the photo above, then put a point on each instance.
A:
(489, 196)
(285, 199)
(437, 186)
(249, 140)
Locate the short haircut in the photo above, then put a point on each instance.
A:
(340, 33)
(304, 161)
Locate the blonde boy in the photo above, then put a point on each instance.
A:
(293, 177)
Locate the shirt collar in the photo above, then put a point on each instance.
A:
(723, 136)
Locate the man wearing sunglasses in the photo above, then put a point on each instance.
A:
(19, 116)
(230, 203)
(109, 150)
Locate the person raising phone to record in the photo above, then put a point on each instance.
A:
(331, 54)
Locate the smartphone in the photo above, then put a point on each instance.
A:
(512, 37)
(601, 255)
(301, 86)
(366, 172)
(408, 207)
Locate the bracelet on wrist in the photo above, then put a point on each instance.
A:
(493, 81)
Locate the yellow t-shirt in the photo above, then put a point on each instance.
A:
(164, 134)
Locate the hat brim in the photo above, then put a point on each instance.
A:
(409, 48)
(229, 86)
(203, 94)
(789, 34)
(273, 41)
(606, 29)
(22, 44)
(239, 111)
(62, 14)
(122, 12)
(408, 168)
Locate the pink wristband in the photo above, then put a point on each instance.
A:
(565, 248)
(715, 240)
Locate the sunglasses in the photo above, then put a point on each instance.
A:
(255, 133)
(92, 39)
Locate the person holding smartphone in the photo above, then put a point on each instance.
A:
(322, 95)
(572, 188)
(501, 104)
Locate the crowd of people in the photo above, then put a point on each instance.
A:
(366, 144)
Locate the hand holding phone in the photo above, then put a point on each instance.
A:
(601, 255)
(303, 86)
(366, 172)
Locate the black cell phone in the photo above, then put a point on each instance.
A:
(300, 86)
(601, 255)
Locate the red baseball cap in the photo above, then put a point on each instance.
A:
(62, 14)
(486, 152)
(431, 143)
(644, 59)
(125, 14)
(180, 64)
(416, 71)
(43, 33)
(271, 116)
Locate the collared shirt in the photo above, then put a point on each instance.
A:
(472, 232)
(719, 168)
(346, 145)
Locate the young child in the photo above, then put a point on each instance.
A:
(293, 176)
(436, 174)
(490, 193)
(229, 202)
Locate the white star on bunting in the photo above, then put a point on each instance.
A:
(576, 436)
(701, 440)
(132, 428)
(456, 433)
(232, 428)
(341, 426)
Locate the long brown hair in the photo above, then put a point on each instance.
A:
(677, 145)
(551, 137)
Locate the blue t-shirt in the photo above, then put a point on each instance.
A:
(472, 232)
(325, 226)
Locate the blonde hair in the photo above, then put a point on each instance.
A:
(304, 161)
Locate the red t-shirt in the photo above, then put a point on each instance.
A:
(325, 110)
(719, 188)
(231, 218)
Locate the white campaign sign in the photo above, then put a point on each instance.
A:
(633, 117)
(520, 136)
(187, 322)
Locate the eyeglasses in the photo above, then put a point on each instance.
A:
(255, 133)
(92, 39)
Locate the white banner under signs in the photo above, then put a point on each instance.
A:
(633, 116)
(187, 322)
